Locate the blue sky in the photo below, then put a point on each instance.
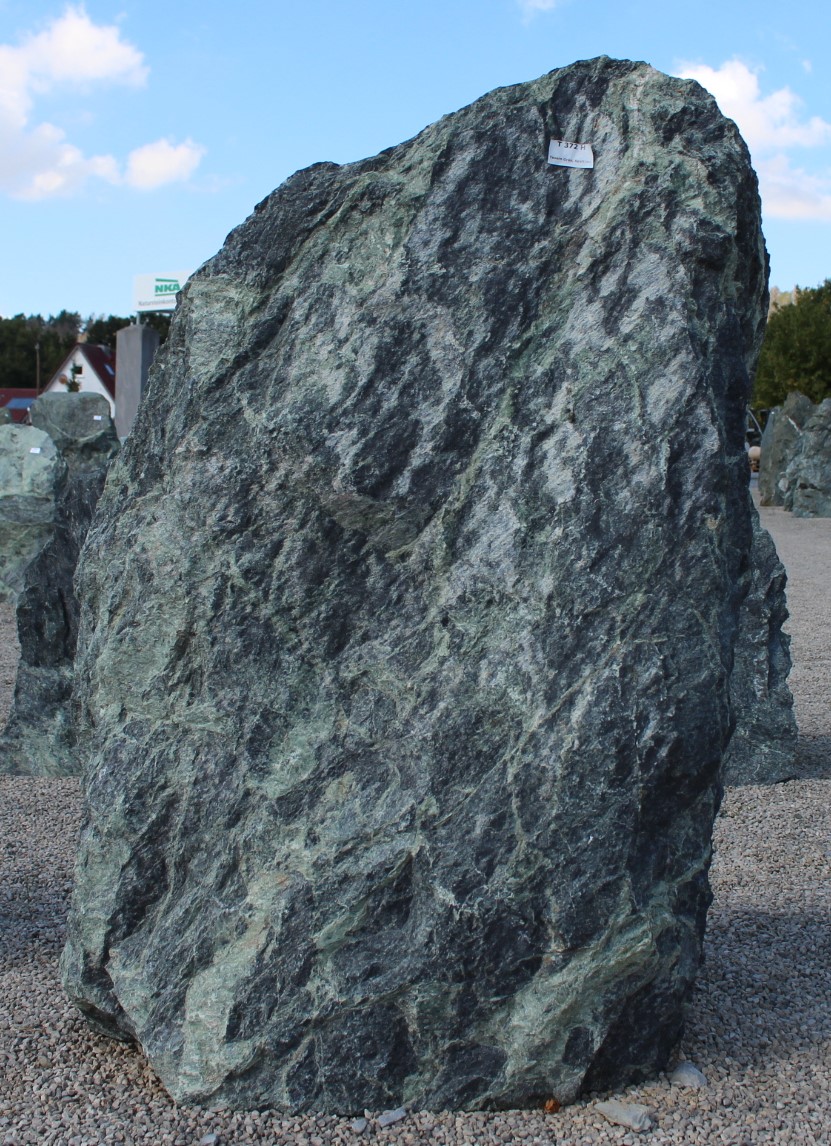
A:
(134, 136)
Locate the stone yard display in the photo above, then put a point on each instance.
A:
(77, 430)
(409, 611)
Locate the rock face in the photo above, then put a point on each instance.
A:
(31, 471)
(780, 441)
(408, 616)
(763, 747)
(39, 739)
(807, 479)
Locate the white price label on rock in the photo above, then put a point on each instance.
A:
(34, 449)
(564, 154)
(97, 417)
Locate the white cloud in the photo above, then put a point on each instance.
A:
(38, 160)
(73, 49)
(772, 126)
(531, 7)
(162, 162)
(40, 163)
(789, 192)
(768, 123)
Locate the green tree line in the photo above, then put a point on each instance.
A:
(796, 354)
(25, 338)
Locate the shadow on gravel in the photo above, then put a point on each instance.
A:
(813, 758)
(764, 992)
(33, 921)
(812, 761)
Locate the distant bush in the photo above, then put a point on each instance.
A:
(797, 350)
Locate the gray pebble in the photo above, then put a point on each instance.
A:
(685, 1074)
(632, 1115)
(389, 1116)
(358, 1125)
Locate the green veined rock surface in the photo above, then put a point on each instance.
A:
(409, 611)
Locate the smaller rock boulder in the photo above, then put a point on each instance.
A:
(688, 1076)
(807, 479)
(780, 441)
(763, 746)
(79, 424)
(31, 471)
(38, 739)
(5, 416)
(632, 1115)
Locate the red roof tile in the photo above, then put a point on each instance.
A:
(18, 399)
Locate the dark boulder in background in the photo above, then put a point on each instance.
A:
(39, 739)
(409, 613)
(780, 442)
(807, 478)
(31, 472)
(81, 426)
(762, 749)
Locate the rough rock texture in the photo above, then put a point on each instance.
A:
(807, 480)
(39, 739)
(31, 470)
(408, 615)
(763, 747)
(780, 441)
(5, 416)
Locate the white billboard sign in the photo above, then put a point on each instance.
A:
(157, 292)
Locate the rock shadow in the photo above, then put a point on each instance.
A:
(813, 758)
(764, 992)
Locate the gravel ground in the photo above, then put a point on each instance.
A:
(759, 1025)
(9, 652)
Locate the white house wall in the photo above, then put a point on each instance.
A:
(88, 379)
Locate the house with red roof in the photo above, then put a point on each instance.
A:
(91, 367)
